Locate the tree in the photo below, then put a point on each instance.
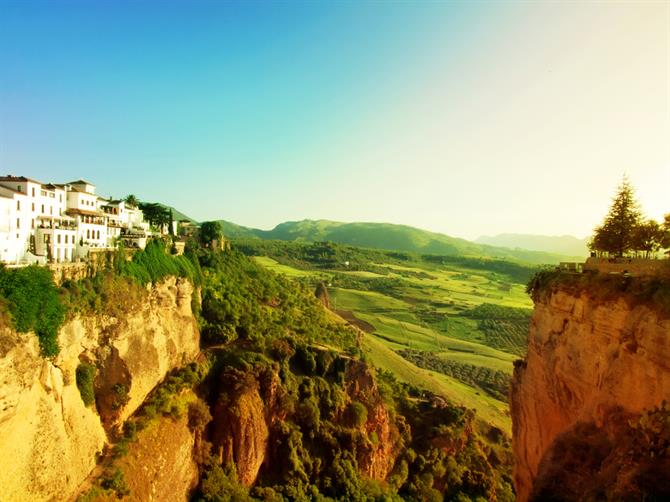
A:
(131, 200)
(156, 214)
(647, 237)
(210, 231)
(665, 234)
(615, 235)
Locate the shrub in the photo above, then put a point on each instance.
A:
(34, 304)
(85, 375)
(198, 415)
(121, 396)
(358, 413)
(116, 482)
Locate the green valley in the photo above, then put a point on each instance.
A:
(450, 325)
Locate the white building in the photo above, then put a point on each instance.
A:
(91, 221)
(50, 222)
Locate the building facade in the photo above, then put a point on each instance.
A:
(42, 223)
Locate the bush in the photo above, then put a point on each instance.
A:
(34, 304)
(121, 396)
(116, 482)
(85, 374)
(154, 263)
(198, 415)
(359, 414)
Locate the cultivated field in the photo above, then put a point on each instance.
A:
(452, 330)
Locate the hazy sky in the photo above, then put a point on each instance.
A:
(463, 118)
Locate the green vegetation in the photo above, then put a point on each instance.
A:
(495, 382)
(33, 303)
(155, 263)
(85, 375)
(505, 328)
(119, 288)
(269, 334)
(625, 230)
(156, 214)
(652, 291)
(241, 299)
(471, 315)
(210, 231)
(399, 238)
(115, 481)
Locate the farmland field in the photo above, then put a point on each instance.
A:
(453, 329)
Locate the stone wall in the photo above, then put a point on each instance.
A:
(632, 266)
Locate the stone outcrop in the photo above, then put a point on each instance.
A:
(48, 438)
(589, 359)
(248, 411)
(240, 430)
(376, 461)
(159, 465)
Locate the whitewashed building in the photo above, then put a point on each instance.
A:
(42, 223)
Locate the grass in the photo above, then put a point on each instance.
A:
(490, 410)
(283, 269)
(430, 308)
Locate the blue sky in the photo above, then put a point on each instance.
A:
(465, 118)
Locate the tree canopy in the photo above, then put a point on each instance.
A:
(156, 214)
(132, 200)
(625, 230)
(210, 231)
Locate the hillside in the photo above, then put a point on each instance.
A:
(178, 215)
(387, 236)
(211, 378)
(561, 244)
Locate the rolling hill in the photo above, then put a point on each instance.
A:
(388, 236)
(563, 244)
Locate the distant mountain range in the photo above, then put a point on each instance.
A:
(537, 249)
(563, 244)
(393, 237)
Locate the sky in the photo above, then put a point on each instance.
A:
(466, 118)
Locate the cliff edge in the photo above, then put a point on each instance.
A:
(597, 362)
(49, 438)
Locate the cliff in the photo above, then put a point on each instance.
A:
(160, 464)
(48, 437)
(595, 363)
(251, 408)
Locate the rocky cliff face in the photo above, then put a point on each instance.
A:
(48, 437)
(377, 460)
(249, 410)
(591, 361)
(159, 465)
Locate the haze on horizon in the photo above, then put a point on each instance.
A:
(466, 119)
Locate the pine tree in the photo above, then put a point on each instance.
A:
(616, 235)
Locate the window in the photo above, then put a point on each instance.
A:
(60, 197)
(33, 207)
(18, 223)
(32, 223)
(42, 207)
(51, 210)
(58, 238)
(18, 188)
(18, 205)
(88, 234)
(33, 191)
